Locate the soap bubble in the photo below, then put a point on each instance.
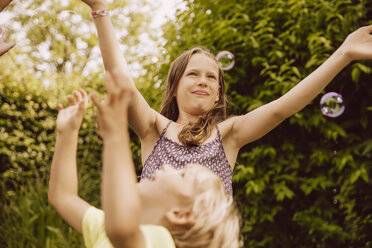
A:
(226, 60)
(41, 17)
(332, 104)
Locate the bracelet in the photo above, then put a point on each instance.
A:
(100, 13)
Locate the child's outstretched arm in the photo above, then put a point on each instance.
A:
(141, 115)
(120, 198)
(357, 46)
(63, 184)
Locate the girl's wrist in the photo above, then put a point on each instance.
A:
(344, 55)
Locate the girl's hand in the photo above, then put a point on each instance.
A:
(95, 4)
(70, 118)
(358, 44)
(113, 112)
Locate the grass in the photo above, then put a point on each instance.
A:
(27, 219)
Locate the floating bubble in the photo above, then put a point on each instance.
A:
(226, 60)
(41, 17)
(332, 104)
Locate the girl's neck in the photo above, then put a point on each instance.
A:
(187, 119)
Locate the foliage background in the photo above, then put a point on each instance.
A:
(305, 184)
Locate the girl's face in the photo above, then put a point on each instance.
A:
(198, 88)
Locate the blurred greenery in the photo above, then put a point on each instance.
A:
(305, 184)
(56, 53)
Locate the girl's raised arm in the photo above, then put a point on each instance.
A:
(141, 115)
(357, 46)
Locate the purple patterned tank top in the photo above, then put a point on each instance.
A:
(211, 155)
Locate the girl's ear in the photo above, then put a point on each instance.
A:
(179, 217)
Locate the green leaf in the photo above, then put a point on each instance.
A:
(355, 74)
(355, 176)
(364, 174)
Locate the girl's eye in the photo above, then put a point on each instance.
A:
(192, 73)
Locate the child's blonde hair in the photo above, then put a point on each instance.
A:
(216, 221)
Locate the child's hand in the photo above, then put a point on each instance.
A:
(70, 119)
(113, 112)
(358, 44)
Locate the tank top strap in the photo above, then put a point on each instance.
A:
(165, 129)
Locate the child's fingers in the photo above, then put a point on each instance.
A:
(83, 93)
(70, 100)
(59, 107)
(81, 107)
(77, 95)
(84, 96)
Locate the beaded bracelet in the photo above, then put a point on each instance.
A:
(100, 13)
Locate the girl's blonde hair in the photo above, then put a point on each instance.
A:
(195, 133)
(216, 221)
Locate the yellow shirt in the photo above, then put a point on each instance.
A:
(95, 236)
